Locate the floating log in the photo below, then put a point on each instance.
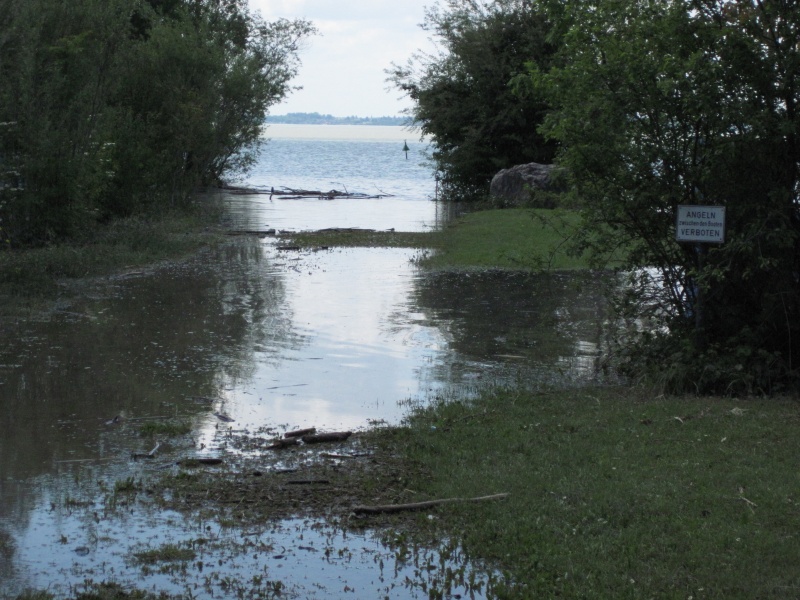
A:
(334, 436)
(300, 432)
(395, 508)
(284, 443)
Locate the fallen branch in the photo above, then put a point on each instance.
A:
(151, 454)
(307, 482)
(284, 443)
(394, 508)
(300, 432)
(336, 436)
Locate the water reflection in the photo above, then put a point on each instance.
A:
(332, 339)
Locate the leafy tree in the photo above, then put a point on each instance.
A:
(668, 102)
(112, 107)
(461, 94)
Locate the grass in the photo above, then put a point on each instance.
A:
(30, 278)
(516, 239)
(165, 428)
(615, 494)
(165, 553)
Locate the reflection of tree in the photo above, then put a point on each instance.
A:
(490, 313)
(143, 346)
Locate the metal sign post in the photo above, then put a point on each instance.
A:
(701, 225)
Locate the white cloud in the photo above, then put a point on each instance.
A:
(343, 68)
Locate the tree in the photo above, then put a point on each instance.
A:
(462, 97)
(667, 102)
(113, 107)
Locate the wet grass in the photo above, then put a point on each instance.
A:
(96, 591)
(31, 278)
(165, 553)
(514, 239)
(165, 428)
(358, 238)
(616, 494)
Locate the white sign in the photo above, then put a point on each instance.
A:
(700, 224)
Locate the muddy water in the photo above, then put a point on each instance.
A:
(332, 339)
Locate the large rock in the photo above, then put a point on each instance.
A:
(517, 186)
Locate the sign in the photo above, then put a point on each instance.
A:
(700, 224)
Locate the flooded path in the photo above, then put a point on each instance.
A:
(336, 339)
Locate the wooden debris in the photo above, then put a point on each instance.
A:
(334, 436)
(300, 432)
(283, 443)
(195, 462)
(339, 456)
(395, 508)
(285, 193)
(307, 482)
(151, 454)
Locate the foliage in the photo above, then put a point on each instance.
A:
(668, 102)
(109, 112)
(462, 97)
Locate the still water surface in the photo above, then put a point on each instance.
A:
(333, 339)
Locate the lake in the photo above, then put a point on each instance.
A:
(335, 339)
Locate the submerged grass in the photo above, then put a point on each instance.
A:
(30, 278)
(515, 239)
(615, 494)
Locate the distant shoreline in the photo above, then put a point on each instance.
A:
(319, 119)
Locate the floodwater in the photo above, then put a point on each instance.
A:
(335, 339)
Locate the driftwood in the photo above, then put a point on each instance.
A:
(394, 508)
(284, 443)
(285, 193)
(341, 456)
(307, 482)
(195, 462)
(300, 432)
(151, 454)
(335, 436)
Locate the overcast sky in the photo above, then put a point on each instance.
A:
(343, 68)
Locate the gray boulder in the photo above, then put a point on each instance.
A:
(517, 186)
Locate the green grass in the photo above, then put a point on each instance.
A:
(524, 239)
(31, 277)
(165, 428)
(615, 494)
(359, 238)
(165, 553)
(517, 239)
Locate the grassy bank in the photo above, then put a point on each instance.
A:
(31, 278)
(616, 494)
(517, 239)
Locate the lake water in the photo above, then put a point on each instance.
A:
(333, 339)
